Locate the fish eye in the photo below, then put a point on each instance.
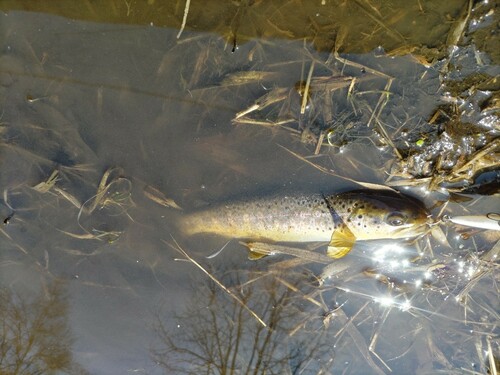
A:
(396, 219)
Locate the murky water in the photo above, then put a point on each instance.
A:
(104, 124)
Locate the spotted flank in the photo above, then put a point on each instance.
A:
(338, 219)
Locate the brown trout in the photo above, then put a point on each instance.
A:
(339, 219)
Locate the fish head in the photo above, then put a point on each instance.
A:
(384, 215)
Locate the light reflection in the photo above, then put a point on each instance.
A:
(388, 301)
(384, 251)
(405, 306)
(385, 301)
(471, 271)
(394, 264)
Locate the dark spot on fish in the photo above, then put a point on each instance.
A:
(348, 210)
(360, 216)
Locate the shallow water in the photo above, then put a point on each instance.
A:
(84, 97)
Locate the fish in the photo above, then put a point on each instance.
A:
(339, 219)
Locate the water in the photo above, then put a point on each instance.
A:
(86, 97)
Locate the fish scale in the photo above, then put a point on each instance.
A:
(288, 218)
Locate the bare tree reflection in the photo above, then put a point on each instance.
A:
(352, 325)
(34, 333)
(217, 335)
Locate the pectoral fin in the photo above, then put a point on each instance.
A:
(341, 243)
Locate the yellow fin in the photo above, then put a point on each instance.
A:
(341, 243)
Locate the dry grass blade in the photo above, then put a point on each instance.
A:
(332, 83)
(366, 185)
(491, 358)
(102, 188)
(288, 264)
(109, 236)
(69, 197)
(382, 101)
(480, 160)
(158, 197)
(271, 249)
(375, 337)
(179, 249)
(184, 18)
(357, 337)
(394, 34)
(486, 158)
(6, 234)
(101, 198)
(298, 291)
(268, 123)
(305, 95)
(360, 66)
(408, 182)
(318, 167)
(457, 29)
(389, 141)
(244, 78)
(273, 96)
(485, 267)
(335, 268)
(44, 186)
(320, 142)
